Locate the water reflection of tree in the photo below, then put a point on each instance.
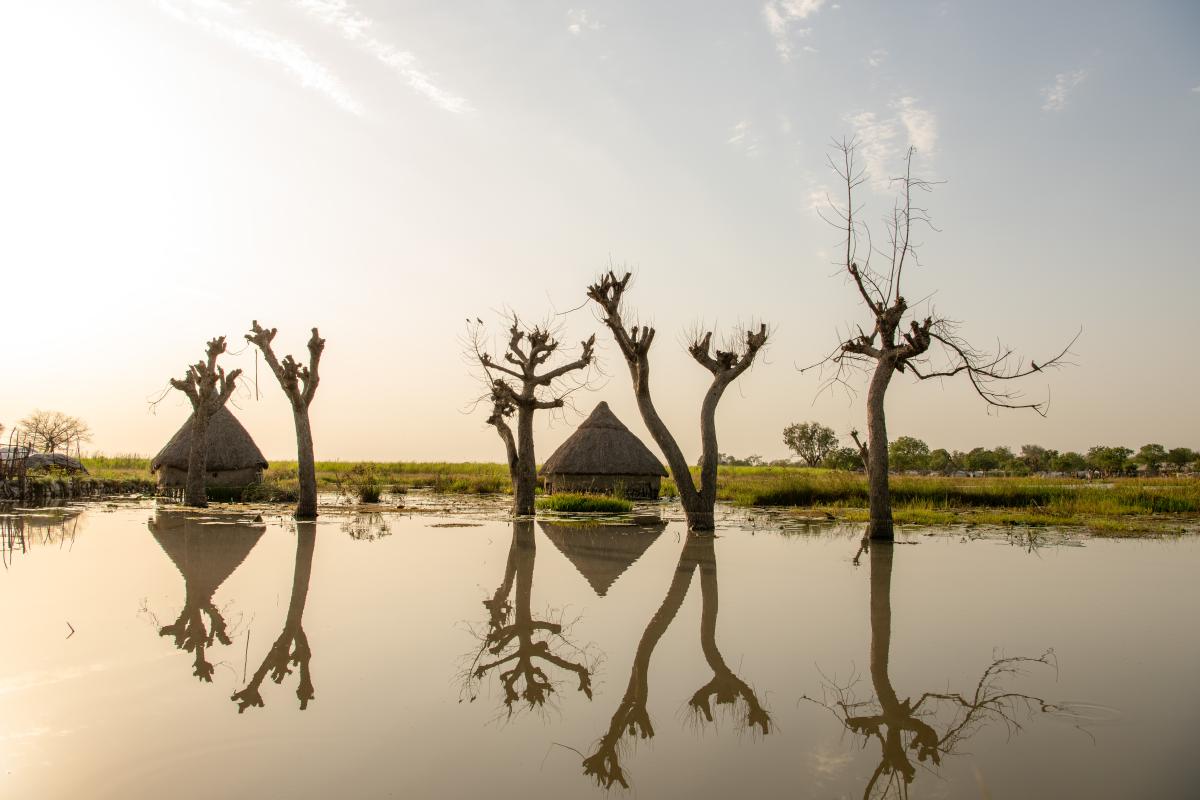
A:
(725, 688)
(517, 644)
(206, 555)
(50, 525)
(936, 723)
(291, 648)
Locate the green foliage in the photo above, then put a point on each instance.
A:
(907, 453)
(845, 458)
(811, 441)
(582, 503)
(360, 482)
(1109, 460)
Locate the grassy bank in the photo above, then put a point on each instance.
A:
(1118, 504)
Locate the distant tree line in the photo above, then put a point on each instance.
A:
(816, 445)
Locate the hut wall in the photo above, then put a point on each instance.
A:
(175, 478)
(632, 487)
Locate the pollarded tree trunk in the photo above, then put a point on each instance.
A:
(524, 476)
(208, 388)
(880, 527)
(306, 507)
(195, 494)
(299, 384)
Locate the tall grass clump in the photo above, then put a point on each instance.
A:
(584, 503)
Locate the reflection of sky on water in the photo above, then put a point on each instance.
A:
(376, 627)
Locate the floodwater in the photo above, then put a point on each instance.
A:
(153, 653)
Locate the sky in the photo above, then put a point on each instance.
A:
(172, 169)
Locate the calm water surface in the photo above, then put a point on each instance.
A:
(458, 656)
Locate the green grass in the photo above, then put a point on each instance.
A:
(1117, 504)
(577, 503)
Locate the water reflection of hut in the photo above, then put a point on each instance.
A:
(234, 460)
(604, 456)
(601, 553)
(206, 552)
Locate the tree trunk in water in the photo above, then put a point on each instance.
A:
(524, 477)
(306, 508)
(880, 526)
(194, 493)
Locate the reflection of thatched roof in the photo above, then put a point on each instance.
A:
(603, 446)
(205, 553)
(229, 446)
(601, 552)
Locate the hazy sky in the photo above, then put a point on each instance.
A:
(172, 169)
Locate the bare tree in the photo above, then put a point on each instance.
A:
(50, 430)
(208, 388)
(725, 366)
(518, 387)
(299, 383)
(893, 346)
(291, 647)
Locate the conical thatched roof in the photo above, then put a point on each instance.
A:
(601, 552)
(229, 446)
(205, 551)
(603, 446)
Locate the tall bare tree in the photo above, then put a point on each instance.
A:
(299, 383)
(925, 348)
(50, 430)
(208, 388)
(725, 366)
(517, 387)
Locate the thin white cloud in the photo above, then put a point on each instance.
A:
(355, 27)
(1054, 97)
(743, 137)
(920, 125)
(876, 57)
(579, 21)
(781, 17)
(227, 22)
(1196, 89)
(880, 139)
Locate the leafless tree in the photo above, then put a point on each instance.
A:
(517, 641)
(299, 383)
(291, 648)
(935, 724)
(208, 388)
(725, 366)
(50, 430)
(726, 688)
(517, 387)
(926, 348)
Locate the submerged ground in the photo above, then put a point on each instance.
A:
(444, 651)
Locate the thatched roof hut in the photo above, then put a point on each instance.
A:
(603, 456)
(234, 460)
(601, 553)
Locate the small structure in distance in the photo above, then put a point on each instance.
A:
(604, 457)
(234, 460)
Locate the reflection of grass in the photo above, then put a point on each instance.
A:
(584, 503)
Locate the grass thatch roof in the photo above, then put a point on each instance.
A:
(603, 446)
(229, 446)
